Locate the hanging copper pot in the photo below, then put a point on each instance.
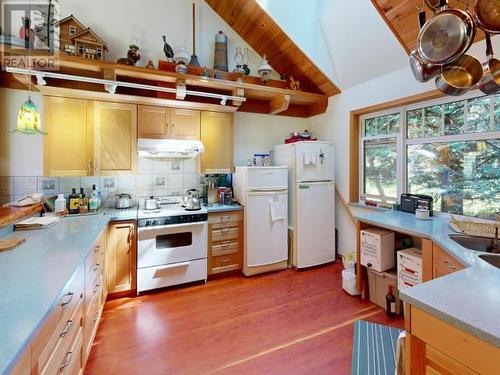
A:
(490, 82)
(487, 15)
(459, 76)
(446, 36)
(421, 71)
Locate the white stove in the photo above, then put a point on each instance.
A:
(171, 245)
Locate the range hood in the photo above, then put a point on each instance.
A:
(168, 148)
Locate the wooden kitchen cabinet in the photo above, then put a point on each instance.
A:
(153, 122)
(68, 147)
(225, 241)
(442, 263)
(115, 138)
(168, 123)
(217, 138)
(437, 347)
(121, 257)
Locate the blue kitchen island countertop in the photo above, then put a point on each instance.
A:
(469, 298)
(34, 274)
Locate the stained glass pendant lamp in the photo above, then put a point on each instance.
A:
(28, 119)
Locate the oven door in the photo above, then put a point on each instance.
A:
(171, 244)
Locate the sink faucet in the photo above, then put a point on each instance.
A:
(495, 247)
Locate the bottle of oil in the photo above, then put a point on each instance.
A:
(73, 203)
(84, 202)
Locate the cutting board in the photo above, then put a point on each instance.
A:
(11, 243)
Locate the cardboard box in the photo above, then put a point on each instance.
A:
(409, 267)
(378, 285)
(377, 249)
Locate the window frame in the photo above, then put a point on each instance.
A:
(402, 141)
(72, 30)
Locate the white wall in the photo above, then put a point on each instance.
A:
(334, 125)
(20, 154)
(122, 22)
(255, 133)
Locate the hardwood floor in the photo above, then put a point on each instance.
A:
(289, 322)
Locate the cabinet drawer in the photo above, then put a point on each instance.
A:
(439, 363)
(92, 290)
(225, 248)
(90, 323)
(227, 233)
(75, 365)
(442, 263)
(225, 217)
(95, 259)
(226, 260)
(47, 338)
(62, 351)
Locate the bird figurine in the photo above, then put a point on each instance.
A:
(169, 52)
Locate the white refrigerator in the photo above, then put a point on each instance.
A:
(311, 166)
(263, 191)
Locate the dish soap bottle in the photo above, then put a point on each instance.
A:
(60, 205)
(390, 303)
(73, 202)
(94, 200)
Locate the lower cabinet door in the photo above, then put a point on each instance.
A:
(121, 257)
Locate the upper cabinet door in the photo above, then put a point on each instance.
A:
(68, 147)
(115, 137)
(184, 124)
(217, 138)
(153, 122)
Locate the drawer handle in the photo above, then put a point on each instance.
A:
(96, 267)
(225, 230)
(70, 295)
(67, 329)
(449, 265)
(227, 260)
(69, 356)
(96, 316)
(225, 219)
(96, 288)
(96, 249)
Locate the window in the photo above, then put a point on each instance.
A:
(447, 149)
(81, 49)
(72, 30)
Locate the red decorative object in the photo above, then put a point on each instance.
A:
(299, 139)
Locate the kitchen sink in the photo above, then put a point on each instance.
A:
(494, 260)
(473, 243)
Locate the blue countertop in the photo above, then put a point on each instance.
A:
(468, 299)
(223, 208)
(34, 274)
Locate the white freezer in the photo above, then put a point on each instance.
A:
(315, 224)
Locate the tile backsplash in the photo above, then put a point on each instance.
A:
(155, 177)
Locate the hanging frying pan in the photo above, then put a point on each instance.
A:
(459, 76)
(487, 15)
(446, 36)
(490, 83)
(422, 71)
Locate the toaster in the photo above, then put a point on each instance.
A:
(410, 202)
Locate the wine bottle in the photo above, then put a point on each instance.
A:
(390, 303)
(84, 202)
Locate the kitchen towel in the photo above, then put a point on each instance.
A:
(278, 210)
(310, 158)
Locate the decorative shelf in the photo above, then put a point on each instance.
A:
(272, 98)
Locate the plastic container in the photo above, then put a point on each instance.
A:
(349, 282)
(60, 204)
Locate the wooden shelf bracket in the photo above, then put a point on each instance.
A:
(279, 104)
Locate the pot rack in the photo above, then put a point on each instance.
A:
(110, 85)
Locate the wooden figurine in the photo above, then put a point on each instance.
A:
(150, 65)
(77, 40)
(294, 85)
(133, 56)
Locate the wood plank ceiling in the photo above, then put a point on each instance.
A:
(402, 18)
(259, 30)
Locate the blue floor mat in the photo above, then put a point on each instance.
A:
(374, 349)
